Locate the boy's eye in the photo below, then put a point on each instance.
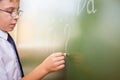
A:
(9, 11)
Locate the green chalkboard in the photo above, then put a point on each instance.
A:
(94, 54)
(87, 30)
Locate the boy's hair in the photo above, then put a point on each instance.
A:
(12, 0)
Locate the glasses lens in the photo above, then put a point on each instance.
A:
(15, 13)
(20, 12)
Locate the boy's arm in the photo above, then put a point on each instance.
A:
(52, 63)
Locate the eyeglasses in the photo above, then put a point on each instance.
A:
(13, 13)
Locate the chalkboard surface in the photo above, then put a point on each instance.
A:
(87, 30)
(95, 51)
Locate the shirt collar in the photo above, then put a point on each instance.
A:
(3, 35)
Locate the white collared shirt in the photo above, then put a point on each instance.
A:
(9, 68)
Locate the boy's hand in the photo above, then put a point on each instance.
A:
(54, 62)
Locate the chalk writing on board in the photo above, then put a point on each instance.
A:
(67, 31)
(80, 6)
(92, 10)
(90, 5)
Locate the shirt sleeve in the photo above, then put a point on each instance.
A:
(3, 63)
(3, 73)
(9, 68)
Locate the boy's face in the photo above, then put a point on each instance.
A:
(8, 15)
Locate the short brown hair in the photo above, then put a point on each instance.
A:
(12, 0)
